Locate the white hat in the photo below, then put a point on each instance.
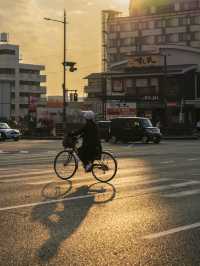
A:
(89, 115)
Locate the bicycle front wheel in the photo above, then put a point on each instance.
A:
(65, 164)
(105, 169)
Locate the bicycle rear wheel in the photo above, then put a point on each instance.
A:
(105, 169)
(65, 164)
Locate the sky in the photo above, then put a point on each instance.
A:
(41, 41)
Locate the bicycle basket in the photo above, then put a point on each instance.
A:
(69, 142)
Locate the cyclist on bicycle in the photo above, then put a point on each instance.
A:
(91, 145)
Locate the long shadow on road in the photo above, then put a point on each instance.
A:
(63, 221)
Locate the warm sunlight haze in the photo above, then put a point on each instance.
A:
(41, 41)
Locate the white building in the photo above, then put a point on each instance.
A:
(18, 83)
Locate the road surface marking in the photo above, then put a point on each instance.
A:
(140, 182)
(137, 192)
(167, 162)
(27, 174)
(193, 159)
(164, 187)
(182, 193)
(24, 152)
(39, 182)
(46, 202)
(172, 231)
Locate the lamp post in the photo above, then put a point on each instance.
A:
(64, 22)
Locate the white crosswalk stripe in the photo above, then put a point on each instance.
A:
(135, 175)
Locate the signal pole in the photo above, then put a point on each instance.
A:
(64, 71)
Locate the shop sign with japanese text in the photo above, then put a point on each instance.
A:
(144, 60)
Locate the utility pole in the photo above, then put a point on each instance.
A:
(64, 72)
(64, 22)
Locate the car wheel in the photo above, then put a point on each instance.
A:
(3, 137)
(145, 139)
(157, 140)
(16, 139)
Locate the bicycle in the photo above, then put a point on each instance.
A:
(104, 167)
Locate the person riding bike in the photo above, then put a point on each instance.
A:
(91, 145)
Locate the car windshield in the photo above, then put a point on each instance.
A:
(4, 126)
(146, 123)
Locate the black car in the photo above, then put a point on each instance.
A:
(134, 129)
(104, 129)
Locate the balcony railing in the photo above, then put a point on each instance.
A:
(33, 89)
(7, 77)
(33, 77)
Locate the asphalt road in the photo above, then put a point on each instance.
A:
(148, 215)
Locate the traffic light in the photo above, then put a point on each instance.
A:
(71, 66)
(76, 97)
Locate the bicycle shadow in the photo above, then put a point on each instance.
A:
(63, 218)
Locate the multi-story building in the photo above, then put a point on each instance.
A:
(151, 58)
(19, 84)
(148, 26)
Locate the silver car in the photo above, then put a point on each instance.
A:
(8, 133)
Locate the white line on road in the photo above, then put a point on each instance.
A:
(172, 231)
(167, 162)
(40, 182)
(46, 202)
(136, 193)
(193, 159)
(27, 174)
(182, 193)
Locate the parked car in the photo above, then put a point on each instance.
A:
(104, 129)
(9, 133)
(134, 129)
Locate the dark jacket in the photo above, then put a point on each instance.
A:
(91, 145)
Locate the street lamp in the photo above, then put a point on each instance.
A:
(64, 22)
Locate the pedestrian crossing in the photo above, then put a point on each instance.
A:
(133, 177)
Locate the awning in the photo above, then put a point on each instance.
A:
(172, 70)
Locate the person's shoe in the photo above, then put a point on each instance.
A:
(88, 167)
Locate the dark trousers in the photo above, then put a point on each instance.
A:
(88, 154)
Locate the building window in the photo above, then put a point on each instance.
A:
(151, 24)
(152, 9)
(195, 20)
(196, 36)
(7, 71)
(134, 26)
(117, 85)
(190, 5)
(172, 22)
(143, 91)
(126, 42)
(29, 71)
(165, 8)
(112, 43)
(184, 36)
(142, 25)
(7, 52)
(172, 38)
(148, 40)
(183, 21)
(160, 39)
(125, 27)
(128, 83)
(141, 82)
(159, 23)
(112, 27)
